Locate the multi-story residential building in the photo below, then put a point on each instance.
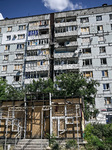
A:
(46, 45)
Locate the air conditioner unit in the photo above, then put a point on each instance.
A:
(76, 52)
(80, 51)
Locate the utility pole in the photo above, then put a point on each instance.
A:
(25, 104)
(51, 67)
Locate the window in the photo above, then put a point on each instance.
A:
(35, 75)
(39, 23)
(71, 19)
(7, 47)
(31, 64)
(66, 29)
(22, 27)
(43, 41)
(4, 77)
(19, 56)
(4, 68)
(108, 100)
(87, 62)
(9, 29)
(85, 29)
(86, 51)
(6, 57)
(8, 37)
(110, 16)
(103, 61)
(18, 67)
(14, 37)
(21, 36)
(98, 18)
(102, 49)
(88, 74)
(20, 46)
(84, 20)
(86, 40)
(101, 39)
(33, 32)
(106, 86)
(43, 23)
(111, 26)
(100, 28)
(33, 42)
(17, 78)
(32, 53)
(43, 62)
(104, 73)
(43, 31)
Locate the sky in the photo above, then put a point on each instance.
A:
(22, 8)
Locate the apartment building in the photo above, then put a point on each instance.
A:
(46, 45)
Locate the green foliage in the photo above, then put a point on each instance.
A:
(99, 136)
(8, 92)
(3, 87)
(41, 85)
(52, 138)
(13, 93)
(71, 144)
(69, 85)
(52, 141)
(74, 84)
(55, 146)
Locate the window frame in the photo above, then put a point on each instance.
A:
(110, 16)
(6, 57)
(21, 27)
(8, 37)
(99, 18)
(85, 63)
(84, 20)
(7, 47)
(4, 68)
(9, 29)
(100, 28)
(104, 73)
(106, 86)
(103, 61)
(102, 49)
(108, 100)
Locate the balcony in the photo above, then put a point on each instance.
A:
(28, 81)
(29, 58)
(32, 27)
(44, 46)
(66, 66)
(63, 34)
(64, 55)
(66, 44)
(38, 68)
(62, 24)
(43, 36)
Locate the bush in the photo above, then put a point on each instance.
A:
(71, 144)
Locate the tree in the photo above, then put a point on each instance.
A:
(74, 84)
(98, 136)
(39, 88)
(3, 87)
(13, 93)
(8, 92)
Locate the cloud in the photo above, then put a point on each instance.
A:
(1, 17)
(60, 5)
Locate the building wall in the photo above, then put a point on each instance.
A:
(75, 33)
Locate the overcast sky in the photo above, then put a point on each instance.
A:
(20, 8)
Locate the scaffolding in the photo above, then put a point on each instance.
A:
(61, 117)
(11, 124)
